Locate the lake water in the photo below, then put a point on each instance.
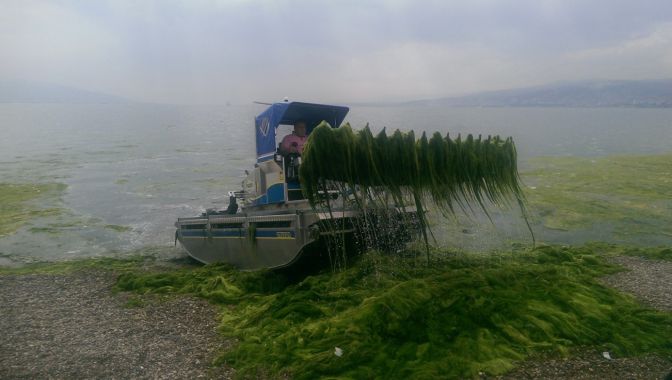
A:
(131, 170)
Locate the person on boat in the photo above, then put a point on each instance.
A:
(293, 143)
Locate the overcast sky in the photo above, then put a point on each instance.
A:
(209, 51)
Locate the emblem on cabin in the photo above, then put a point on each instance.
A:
(264, 126)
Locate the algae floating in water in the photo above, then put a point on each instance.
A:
(118, 228)
(17, 204)
(634, 193)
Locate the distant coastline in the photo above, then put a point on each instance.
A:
(36, 92)
(584, 94)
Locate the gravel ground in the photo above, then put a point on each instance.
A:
(590, 365)
(648, 280)
(72, 327)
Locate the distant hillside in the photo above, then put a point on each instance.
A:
(616, 93)
(23, 92)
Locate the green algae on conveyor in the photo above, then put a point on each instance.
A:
(18, 204)
(632, 193)
(392, 318)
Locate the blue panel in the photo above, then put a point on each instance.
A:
(276, 193)
(293, 185)
(192, 233)
(265, 125)
(240, 232)
(273, 234)
(260, 201)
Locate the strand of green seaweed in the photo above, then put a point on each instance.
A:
(392, 318)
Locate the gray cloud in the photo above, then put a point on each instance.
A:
(214, 51)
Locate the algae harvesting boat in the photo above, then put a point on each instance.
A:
(275, 225)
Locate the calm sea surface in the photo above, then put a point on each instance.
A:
(132, 170)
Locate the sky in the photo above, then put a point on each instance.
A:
(218, 51)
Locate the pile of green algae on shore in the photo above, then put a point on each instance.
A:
(394, 317)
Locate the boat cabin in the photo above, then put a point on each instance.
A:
(275, 178)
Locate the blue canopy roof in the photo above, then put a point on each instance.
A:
(289, 113)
